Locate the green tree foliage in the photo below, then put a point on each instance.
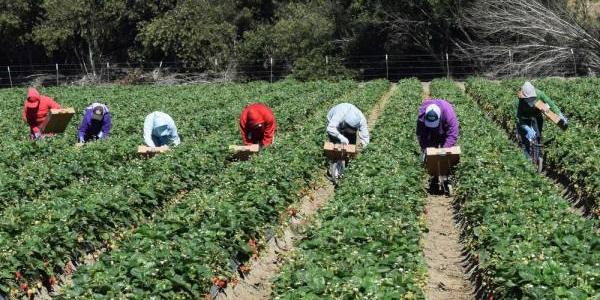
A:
(200, 31)
(244, 34)
(299, 38)
(16, 21)
(84, 27)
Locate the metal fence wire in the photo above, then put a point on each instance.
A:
(392, 67)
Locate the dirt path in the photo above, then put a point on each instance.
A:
(258, 283)
(446, 276)
(426, 89)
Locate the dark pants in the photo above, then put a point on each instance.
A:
(537, 126)
(90, 137)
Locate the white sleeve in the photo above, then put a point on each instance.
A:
(148, 126)
(175, 136)
(363, 131)
(332, 126)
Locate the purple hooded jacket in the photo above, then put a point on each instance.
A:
(89, 127)
(446, 134)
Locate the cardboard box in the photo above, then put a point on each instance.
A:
(149, 151)
(339, 151)
(244, 152)
(549, 114)
(440, 161)
(57, 120)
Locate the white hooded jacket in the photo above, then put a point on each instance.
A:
(346, 114)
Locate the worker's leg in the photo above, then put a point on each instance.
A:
(525, 145)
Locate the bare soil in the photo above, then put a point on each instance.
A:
(258, 283)
(446, 275)
(426, 89)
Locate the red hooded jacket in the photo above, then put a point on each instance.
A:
(36, 108)
(253, 115)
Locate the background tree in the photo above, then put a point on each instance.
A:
(17, 19)
(85, 28)
(525, 37)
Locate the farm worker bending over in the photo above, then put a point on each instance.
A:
(35, 111)
(257, 125)
(344, 121)
(530, 120)
(96, 123)
(160, 130)
(437, 124)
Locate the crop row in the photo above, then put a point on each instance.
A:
(365, 244)
(122, 176)
(519, 233)
(571, 154)
(177, 255)
(39, 177)
(38, 240)
(33, 176)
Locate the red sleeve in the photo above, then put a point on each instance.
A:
(52, 104)
(243, 131)
(270, 128)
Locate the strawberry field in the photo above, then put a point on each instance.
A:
(101, 222)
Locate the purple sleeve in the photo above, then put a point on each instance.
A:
(452, 127)
(85, 123)
(421, 134)
(107, 124)
(421, 126)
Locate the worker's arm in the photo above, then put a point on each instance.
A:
(363, 131)
(452, 129)
(332, 126)
(52, 104)
(174, 135)
(106, 125)
(83, 127)
(148, 126)
(553, 107)
(520, 126)
(421, 134)
(269, 133)
(244, 129)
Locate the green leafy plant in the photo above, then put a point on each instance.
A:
(522, 240)
(571, 154)
(196, 240)
(41, 239)
(366, 241)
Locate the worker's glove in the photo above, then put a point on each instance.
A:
(344, 140)
(563, 123)
(530, 133)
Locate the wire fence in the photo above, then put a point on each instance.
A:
(392, 67)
